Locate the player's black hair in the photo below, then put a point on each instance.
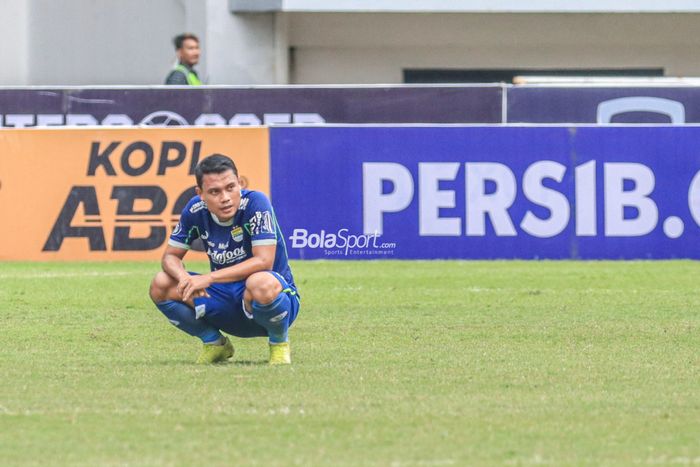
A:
(214, 164)
(180, 38)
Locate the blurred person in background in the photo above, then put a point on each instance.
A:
(187, 49)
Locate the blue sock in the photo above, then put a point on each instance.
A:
(274, 317)
(182, 316)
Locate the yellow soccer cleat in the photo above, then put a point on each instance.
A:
(216, 353)
(280, 354)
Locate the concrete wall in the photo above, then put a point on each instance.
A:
(376, 47)
(93, 42)
(240, 48)
(467, 6)
(14, 48)
(109, 42)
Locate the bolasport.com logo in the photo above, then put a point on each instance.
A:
(342, 243)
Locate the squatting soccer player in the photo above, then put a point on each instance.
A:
(250, 290)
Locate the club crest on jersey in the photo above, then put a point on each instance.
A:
(237, 234)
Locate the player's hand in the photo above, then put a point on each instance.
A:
(200, 294)
(193, 286)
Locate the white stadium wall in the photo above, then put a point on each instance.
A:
(14, 48)
(376, 47)
(83, 42)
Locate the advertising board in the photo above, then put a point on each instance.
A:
(240, 106)
(488, 192)
(108, 194)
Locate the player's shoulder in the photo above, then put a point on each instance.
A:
(253, 199)
(195, 205)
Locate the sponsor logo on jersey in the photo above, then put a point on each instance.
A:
(177, 229)
(244, 204)
(237, 234)
(198, 206)
(223, 246)
(261, 223)
(226, 257)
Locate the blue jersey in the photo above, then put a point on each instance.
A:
(232, 242)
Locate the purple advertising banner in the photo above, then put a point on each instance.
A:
(651, 104)
(487, 192)
(481, 104)
(250, 106)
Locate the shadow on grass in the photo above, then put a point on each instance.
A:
(181, 362)
(248, 362)
(189, 363)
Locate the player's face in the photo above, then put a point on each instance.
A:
(222, 193)
(189, 53)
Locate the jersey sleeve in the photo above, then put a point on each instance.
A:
(260, 220)
(186, 231)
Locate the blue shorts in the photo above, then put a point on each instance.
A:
(224, 308)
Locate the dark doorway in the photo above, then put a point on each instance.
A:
(506, 75)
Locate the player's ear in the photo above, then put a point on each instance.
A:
(198, 191)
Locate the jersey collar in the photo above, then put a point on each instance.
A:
(228, 223)
(242, 205)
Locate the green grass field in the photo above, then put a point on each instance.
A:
(395, 363)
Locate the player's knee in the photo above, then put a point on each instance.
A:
(160, 285)
(263, 287)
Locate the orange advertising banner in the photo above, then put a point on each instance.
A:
(108, 193)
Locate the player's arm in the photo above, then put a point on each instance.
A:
(172, 262)
(262, 260)
(173, 266)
